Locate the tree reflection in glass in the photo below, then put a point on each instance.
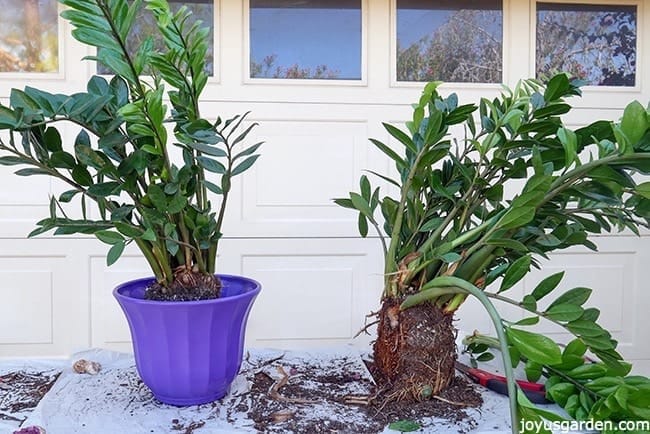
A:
(29, 36)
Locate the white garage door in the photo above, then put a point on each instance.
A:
(319, 78)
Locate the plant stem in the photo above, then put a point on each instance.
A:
(521, 306)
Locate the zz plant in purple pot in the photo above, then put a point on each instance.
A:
(120, 160)
(158, 173)
(473, 211)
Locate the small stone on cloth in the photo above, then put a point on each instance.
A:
(84, 366)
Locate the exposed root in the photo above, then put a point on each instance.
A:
(365, 329)
(258, 367)
(275, 390)
(368, 325)
(457, 404)
(415, 350)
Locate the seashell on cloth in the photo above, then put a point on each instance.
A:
(83, 366)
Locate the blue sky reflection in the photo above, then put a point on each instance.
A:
(298, 42)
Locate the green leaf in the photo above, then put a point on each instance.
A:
(569, 141)
(564, 312)
(547, 285)
(591, 314)
(19, 99)
(576, 347)
(508, 243)
(450, 257)
(431, 224)
(528, 321)
(529, 302)
(601, 342)
(634, 122)
(114, 253)
(85, 154)
(561, 392)
(365, 188)
(208, 150)
(158, 197)
(485, 357)
(361, 204)
(104, 189)
(81, 176)
(32, 171)
(551, 110)
(244, 165)
(149, 149)
(401, 136)
(176, 204)
(67, 196)
(515, 272)
(404, 426)
(363, 225)
(557, 87)
(535, 347)
(388, 151)
(10, 160)
(63, 160)
(213, 187)
(248, 151)
(586, 329)
(211, 165)
(516, 217)
(533, 370)
(577, 296)
(52, 140)
(149, 235)
(127, 230)
(643, 189)
(589, 371)
(109, 237)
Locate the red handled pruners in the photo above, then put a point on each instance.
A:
(534, 391)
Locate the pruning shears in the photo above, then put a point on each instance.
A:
(534, 391)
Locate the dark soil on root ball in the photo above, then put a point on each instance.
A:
(450, 404)
(415, 349)
(187, 286)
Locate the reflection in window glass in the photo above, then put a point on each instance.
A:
(317, 39)
(596, 43)
(29, 36)
(145, 25)
(450, 40)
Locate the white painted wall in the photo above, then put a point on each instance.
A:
(319, 278)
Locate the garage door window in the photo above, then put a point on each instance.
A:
(596, 43)
(29, 40)
(145, 25)
(452, 41)
(311, 39)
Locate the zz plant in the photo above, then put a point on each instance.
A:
(473, 214)
(122, 159)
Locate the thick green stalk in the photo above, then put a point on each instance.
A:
(151, 259)
(161, 257)
(391, 266)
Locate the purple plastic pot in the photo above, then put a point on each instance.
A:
(188, 352)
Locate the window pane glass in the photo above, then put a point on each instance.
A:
(305, 39)
(452, 41)
(145, 25)
(596, 43)
(29, 36)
